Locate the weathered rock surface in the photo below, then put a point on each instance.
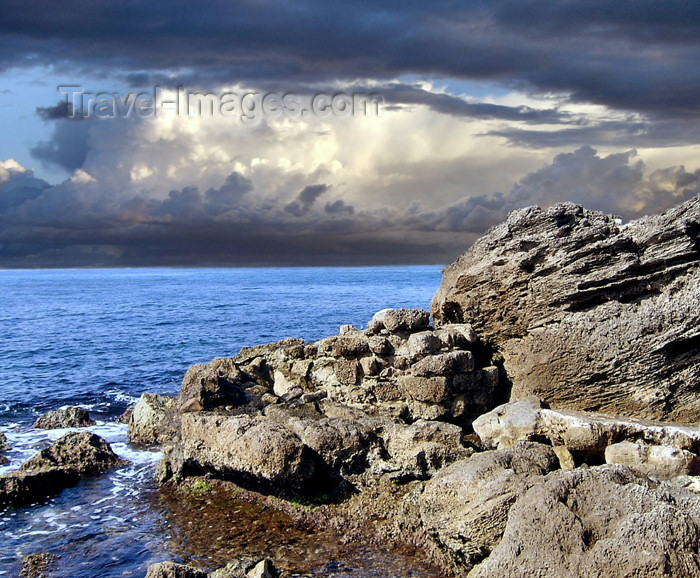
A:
(66, 417)
(662, 448)
(588, 314)
(150, 422)
(465, 506)
(602, 521)
(84, 452)
(57, 467)
(246, 449)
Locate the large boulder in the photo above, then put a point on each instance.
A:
(63, 418)
(465, 506)
(20, 488)
(603, 521)
(588, 314)
(250, 450)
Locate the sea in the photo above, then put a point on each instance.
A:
(99, 338)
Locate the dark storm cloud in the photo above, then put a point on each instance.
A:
(77, 223)
(639, 55)
(304, 201)
(68, 145)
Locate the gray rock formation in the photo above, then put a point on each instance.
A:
(588, 314)
(465, 506)
(657, 449)
(602, 521)
(62, 418)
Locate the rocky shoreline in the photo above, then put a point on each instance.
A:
(529, 429)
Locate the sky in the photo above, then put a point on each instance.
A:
(332, 133)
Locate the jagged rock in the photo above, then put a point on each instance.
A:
(252, 450)
(588, 314)
(218, 383)
(395, 320)
(4, 445)
(466, 505)
(445, 364)
(657, 461)
(457, 335)
(419, 450)
(602, 521)
(584, 435)
(84, 452)
(63, 418)
(150, 422)
(245, 568)
(126, 416)
(172, 570)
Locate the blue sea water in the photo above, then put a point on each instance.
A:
(101, 338)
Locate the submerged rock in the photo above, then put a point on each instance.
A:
(63, 418)
(20, 488)
(588, 314)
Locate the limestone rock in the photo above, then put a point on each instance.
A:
(657, 461)
(395, 320)
(252, 450)
(150, 422)
(585, 435)
(588, 314)
(64, 418)
(466, 505)
(218, 383)
(602, 521)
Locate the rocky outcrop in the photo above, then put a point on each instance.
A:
(589, 314)
(466, 505)
(57, 467)
(4, 447)
(173, 570)
(657, 449)
(63, 418)
(602, 521)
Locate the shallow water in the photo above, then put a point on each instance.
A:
(100, 338)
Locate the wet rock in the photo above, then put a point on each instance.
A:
(251, 450)
(246, 568)
(603, 521)
(657, 461)
(20, 488)
(466, 505)
(84, 452)
(585, 435)
(151, 422)
(126, 416)
(588, 314)
(172, 570)
(4, 445)
(64, 418)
